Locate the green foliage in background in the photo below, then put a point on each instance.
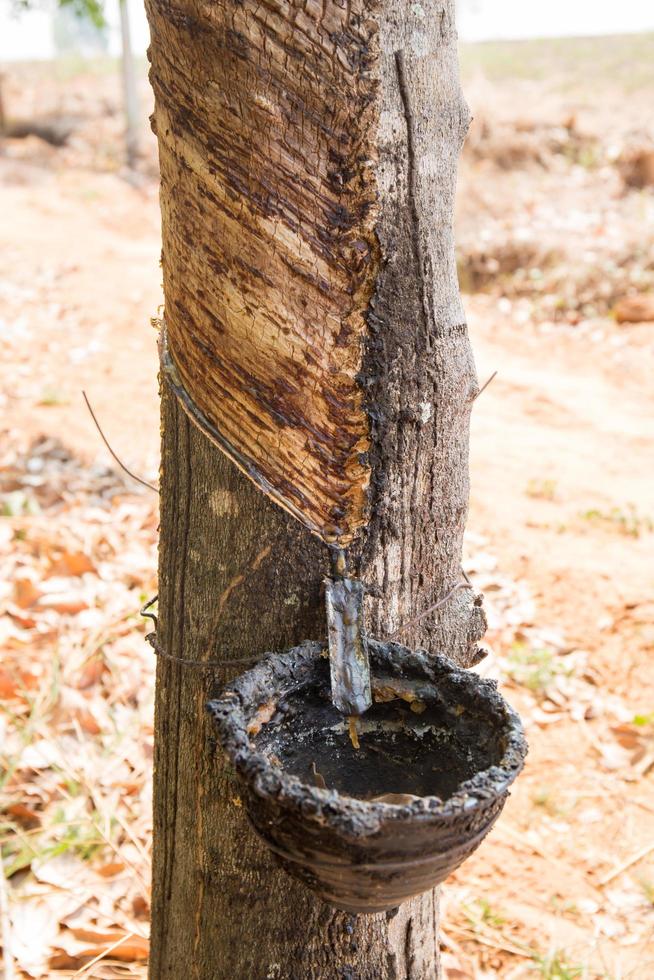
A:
(91, 10)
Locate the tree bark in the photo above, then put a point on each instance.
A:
(239, 575)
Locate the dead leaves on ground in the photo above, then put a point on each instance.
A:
(564, 882)
(76, 686)
(77, 556)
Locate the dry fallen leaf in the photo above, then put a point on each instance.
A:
(111, 869)
(635, 309)
(140, 908)
(91, 673)
(26, 817)
(86, 721)
(72, 563)
(34, 920)
(26, 593)
(8, 685)
(17, 683)
(33, 933)
(123, 947)
(67, 871)
(24, 620)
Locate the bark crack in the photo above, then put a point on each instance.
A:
(179, 628)
(416, 239)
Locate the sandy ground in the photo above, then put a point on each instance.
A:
(562, 507)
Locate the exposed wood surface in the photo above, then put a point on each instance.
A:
(266, 126)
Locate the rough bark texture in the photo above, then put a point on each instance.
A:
(418, 368)
(238, 575)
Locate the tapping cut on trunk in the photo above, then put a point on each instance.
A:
(313, 319)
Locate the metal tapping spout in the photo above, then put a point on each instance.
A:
(348, 651)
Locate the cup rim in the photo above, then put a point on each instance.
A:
(278, 674)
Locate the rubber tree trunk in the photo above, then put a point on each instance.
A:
(238, 575)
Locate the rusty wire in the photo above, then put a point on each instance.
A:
(160, 652)
(211, 664)
(485, 385)
(138, 479)
(430, 609)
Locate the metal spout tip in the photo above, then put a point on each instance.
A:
(348, 652)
